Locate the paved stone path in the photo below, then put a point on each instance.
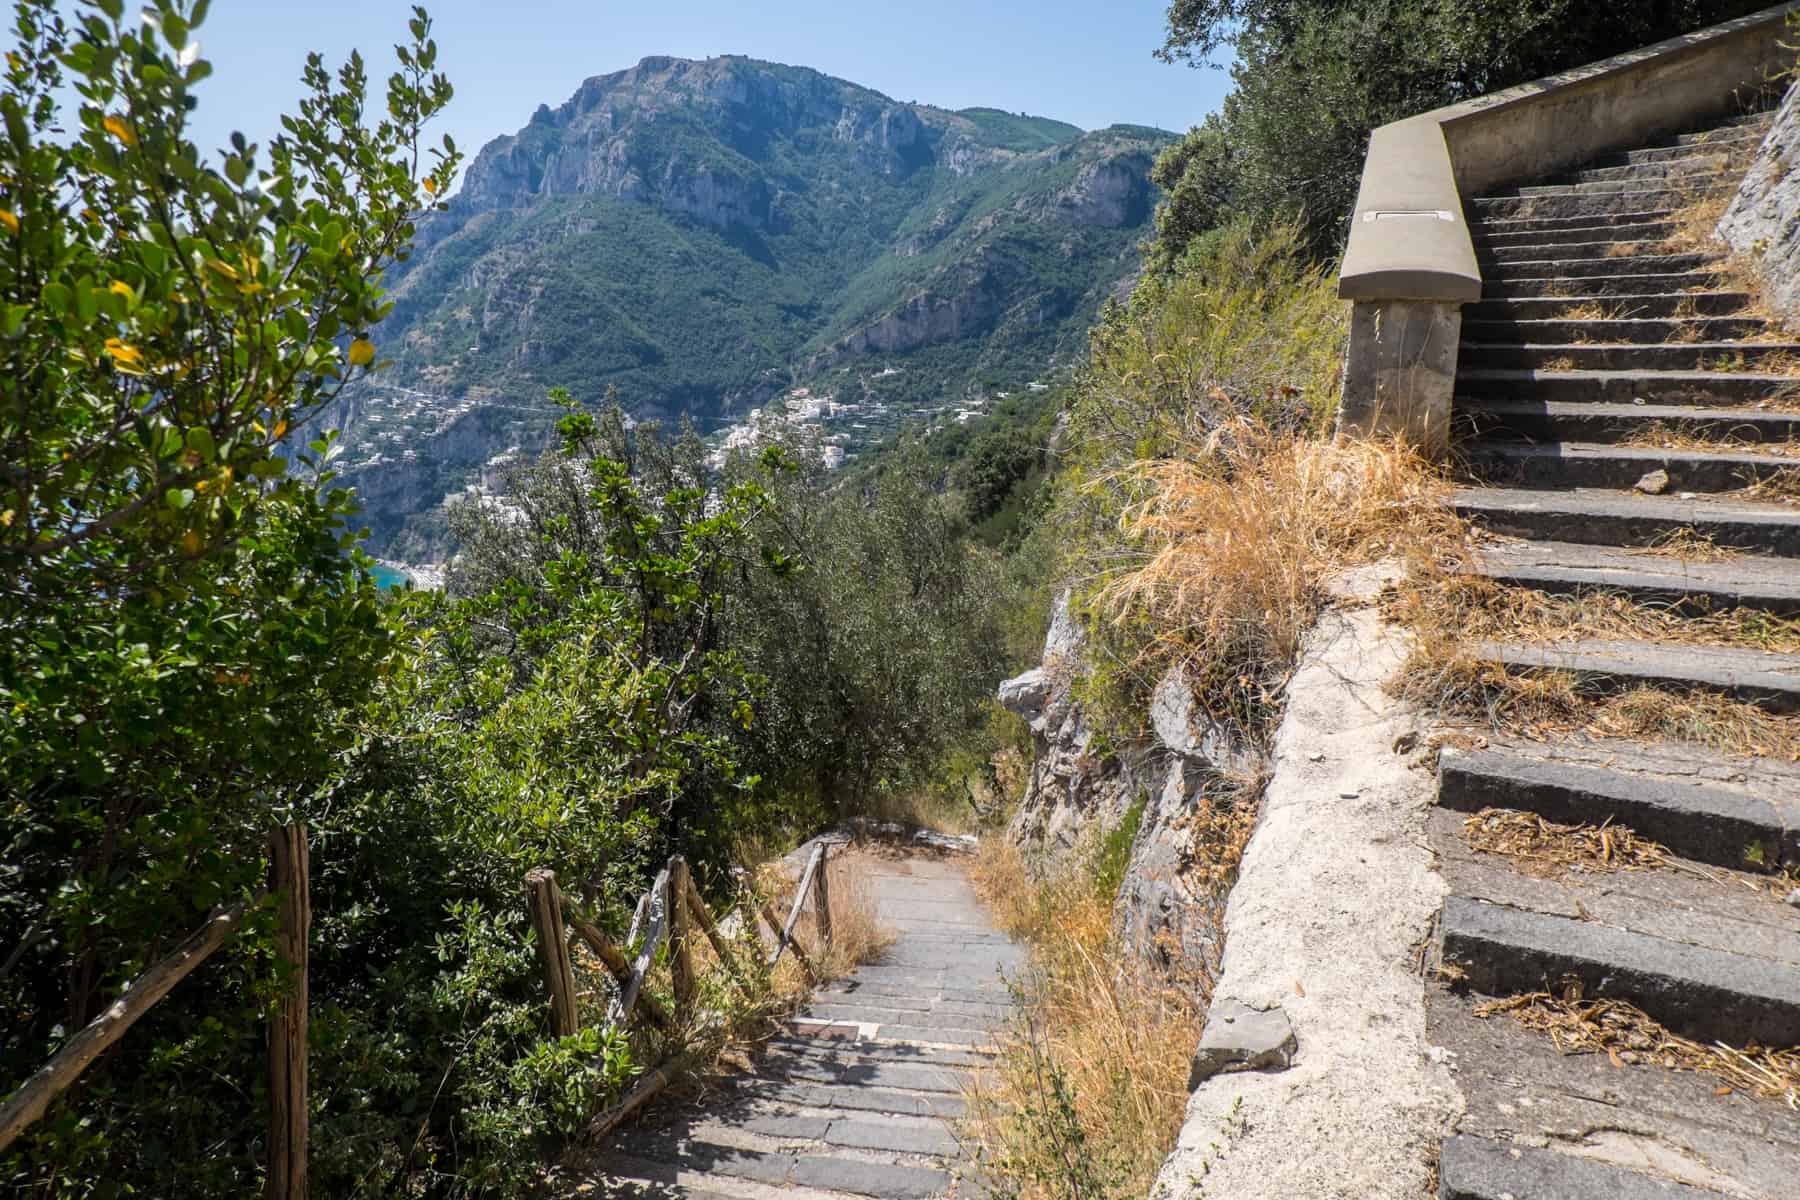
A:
(861, 1095)
(1562, 411)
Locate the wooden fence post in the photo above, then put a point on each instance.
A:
(822, 899)
(545, 900)
(290, 881)
(681, 956)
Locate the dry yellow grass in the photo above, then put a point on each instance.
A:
(1087, 1093)
(1629, 1037)
(857, 935)
(1663, 435)
(1595, 310)
(1446, 675)
(1477, 607)
(1688, 544)
(1777, 485)
(1543, 847)
(1237, 536)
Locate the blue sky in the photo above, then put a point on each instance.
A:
(1085, 62)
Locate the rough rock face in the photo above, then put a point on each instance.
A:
(1167, 913)
(1764, 218)
(1111, 193)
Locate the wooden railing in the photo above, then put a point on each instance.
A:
(289, 882)
(668, 913)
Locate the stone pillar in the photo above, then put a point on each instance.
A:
(1400, 372)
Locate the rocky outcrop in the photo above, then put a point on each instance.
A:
(1080, 789)
(1763, 221)
(1112, 192)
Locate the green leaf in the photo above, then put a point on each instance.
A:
(178, 498)
(200, 441)
(56, 297)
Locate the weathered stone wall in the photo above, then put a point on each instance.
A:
(1763, 221)
(1169, 904)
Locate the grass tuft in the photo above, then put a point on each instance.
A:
(1087, 1092)
(1237, 536)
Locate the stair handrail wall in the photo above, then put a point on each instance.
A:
(1409, 265)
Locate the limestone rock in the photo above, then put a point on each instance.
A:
(1654, 483)
(1763, 220)
(1241, 1038)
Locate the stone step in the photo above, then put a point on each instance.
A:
(1768, 680)
(1475, 1168)
(1708, 181)
(1481, 228)
(707, 1165)
(1728, 145)
(1519, 1089)
(1698, 991)
(1611, 518)
(1630, 356)
(1591, 204)
(1703, 278)
(1706, 160)
(1568, 569)
(1697, 818)
(853, 1097)
(1649, 388)
(1617, 308)
(1616, 230)
(1570, 464)
(1748, 125)
(1741, 430)
(627, 1176)
(1494, 270)
(1609, 331)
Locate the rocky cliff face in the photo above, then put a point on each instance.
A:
(1170, 902)
(706, 235)
(1763, 221)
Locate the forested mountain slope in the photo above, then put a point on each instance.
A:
(707, 236)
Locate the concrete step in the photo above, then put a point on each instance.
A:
(1627, 307)
(1591, 204)
(1629, 356)
(1609, 231)
(1612, 518)
(1518, 1089)
(1571, 464)
(1474, 1168)
(1696, 817)
(1767, 680)
(1589, 268)
(627, 1176)
(1501, 327)
(1698, 991)
(1600, 287)
(1568, 569)
(1649, 388)
(1709, 159)
(1743, 429)
(1481, 228)
(1748, 125)
(1708, 181)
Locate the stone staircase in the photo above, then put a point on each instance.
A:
(861, 1096)
(1590, 346)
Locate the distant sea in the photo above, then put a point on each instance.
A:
(386, 576)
